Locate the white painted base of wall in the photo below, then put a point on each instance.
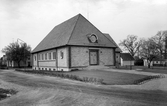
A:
(51, 69)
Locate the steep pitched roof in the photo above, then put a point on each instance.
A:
(111, 39)
(74, 31)
(126, 57)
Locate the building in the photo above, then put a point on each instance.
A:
(74, 44)
(27, 63)
(127, 59)
(158, 61)
(117, 50)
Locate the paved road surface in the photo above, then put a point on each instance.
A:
(144, 97)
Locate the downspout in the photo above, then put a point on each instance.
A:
(114, 57)
(31, 60)
(37, 61)
(69, 57)
(56, 59)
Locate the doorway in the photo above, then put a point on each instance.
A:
(94, 57)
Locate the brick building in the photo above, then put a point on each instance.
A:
(74, 44)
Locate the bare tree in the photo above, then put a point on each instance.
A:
(148, 50)
(159, 40)
(17, 52)
(131, 44)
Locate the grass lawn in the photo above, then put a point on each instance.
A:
(109, 77)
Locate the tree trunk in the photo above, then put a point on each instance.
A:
(18, 63)
(148, 65)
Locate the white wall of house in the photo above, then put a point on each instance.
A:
(126, 63)
(35, 61)
(154, 63)
(118, 58)
(63, 59)
(46, 59)
(146, 63)
(159, 62)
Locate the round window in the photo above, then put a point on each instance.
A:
(93, 38)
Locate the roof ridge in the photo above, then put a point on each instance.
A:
(73, 28)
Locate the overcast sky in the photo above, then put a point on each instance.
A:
(32, 20)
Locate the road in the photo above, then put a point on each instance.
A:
(113, 95)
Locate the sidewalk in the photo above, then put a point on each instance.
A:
(132, 72)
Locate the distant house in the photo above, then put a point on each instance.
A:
(158, 61)
(27, 63)
(155, 62)
(74, 44)
(117, 50)
(126, 59)
(4, 60)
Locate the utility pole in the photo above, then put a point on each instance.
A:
(20, 40)
(87, 11)
(23, 51)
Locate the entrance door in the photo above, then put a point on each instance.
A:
(93, 57)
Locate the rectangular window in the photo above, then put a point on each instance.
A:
(35, 58)
(45, 56)
(61, 54)
(39, 57)
(49, 56)
(54, 55)
(42, 57)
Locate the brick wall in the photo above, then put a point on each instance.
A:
(106, 56)
(79, 56)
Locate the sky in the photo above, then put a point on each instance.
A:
(31, 20)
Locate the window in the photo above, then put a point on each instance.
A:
(39, 57)
(54, 55)
(35, 58)
(93, 38)
(45, 56)
(61, 55)
(42, 57)
(49, 56)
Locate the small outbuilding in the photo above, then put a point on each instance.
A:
(127, 59)
(74, 44)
